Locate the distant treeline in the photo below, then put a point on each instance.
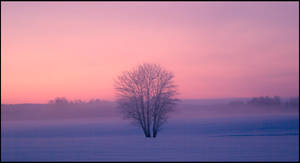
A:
(255, 101)
(63, 101)
(266, 101)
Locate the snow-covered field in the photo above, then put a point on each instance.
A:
(223, 137)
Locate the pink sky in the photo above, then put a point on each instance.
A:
(215, 49)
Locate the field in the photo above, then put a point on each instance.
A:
(193, 133)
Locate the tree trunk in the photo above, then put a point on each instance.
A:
(154, 134)
(147, 135)
(153, 127)
(145, 132)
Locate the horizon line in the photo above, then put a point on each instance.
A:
(181, 99)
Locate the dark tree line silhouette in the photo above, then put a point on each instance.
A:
(265, 101)
(64, 101)
(268, 101)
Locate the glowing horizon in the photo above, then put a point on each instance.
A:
(215, 49)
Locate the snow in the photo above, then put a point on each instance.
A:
(261, 137)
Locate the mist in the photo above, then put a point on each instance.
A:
(107, 110)
(219, 128)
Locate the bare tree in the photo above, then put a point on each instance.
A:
(146, 95)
